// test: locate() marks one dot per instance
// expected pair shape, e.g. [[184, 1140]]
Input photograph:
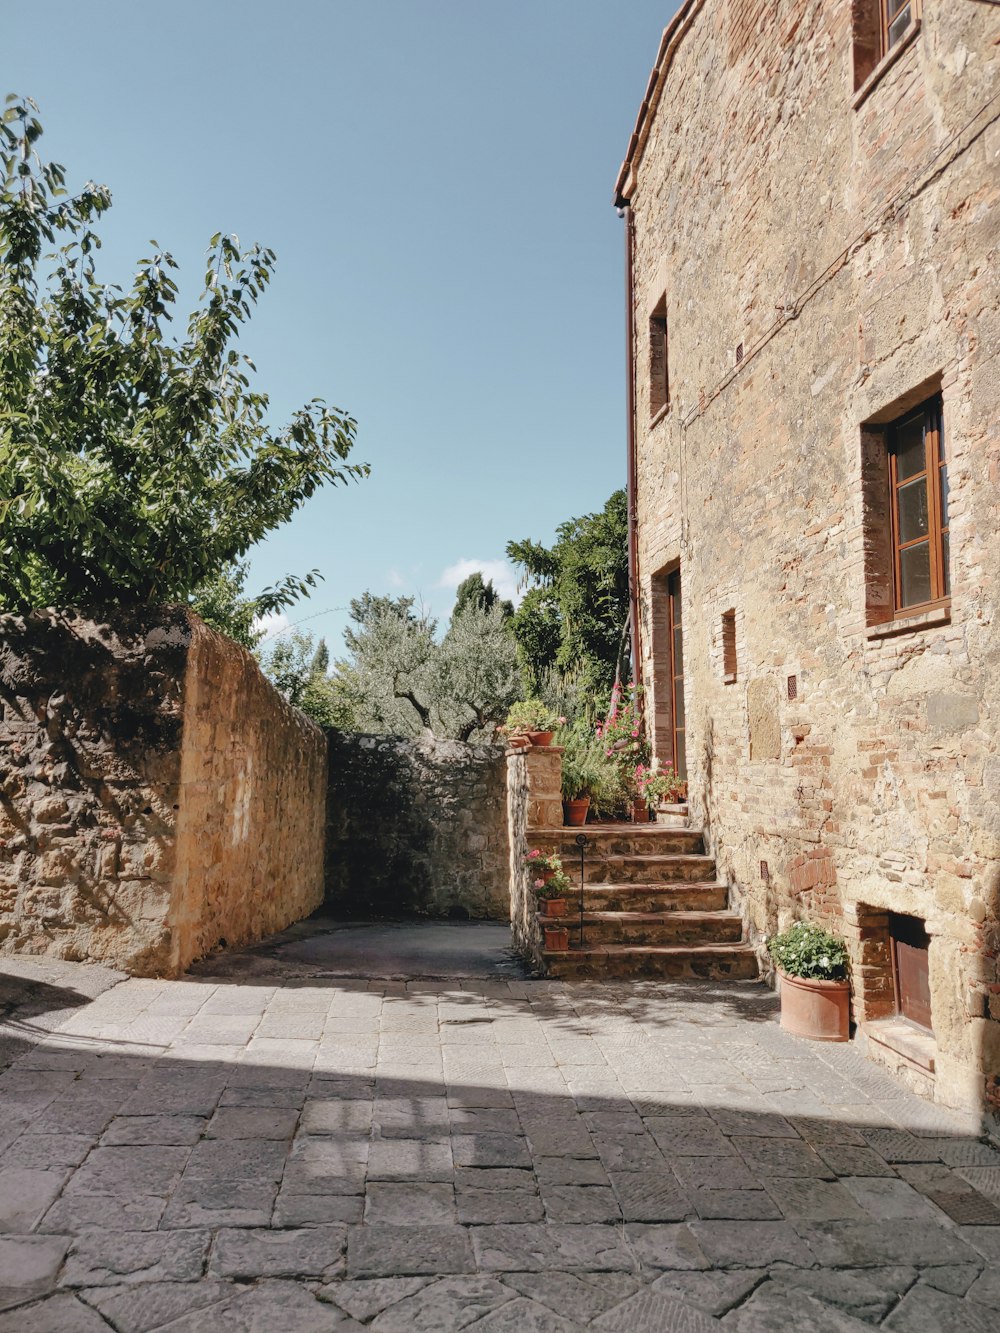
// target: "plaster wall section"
[[416, 827], [825, 260]]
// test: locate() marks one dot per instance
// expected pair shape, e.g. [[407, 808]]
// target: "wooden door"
[[909, 951]]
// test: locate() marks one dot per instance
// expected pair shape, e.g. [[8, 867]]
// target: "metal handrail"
[[581, 841]]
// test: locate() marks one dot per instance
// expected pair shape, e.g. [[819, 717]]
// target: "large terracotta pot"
[[541, 737], [575, 812], [820, 1010], [556, 939], [554, 907], [640, 811]]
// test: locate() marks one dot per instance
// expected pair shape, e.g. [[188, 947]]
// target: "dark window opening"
[[659, 381], [729, 646]]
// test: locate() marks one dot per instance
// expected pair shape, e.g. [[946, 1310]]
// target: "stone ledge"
[[904, 1039]]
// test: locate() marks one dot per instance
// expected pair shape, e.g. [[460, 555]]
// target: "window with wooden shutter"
[[918, 507], [659, 380]]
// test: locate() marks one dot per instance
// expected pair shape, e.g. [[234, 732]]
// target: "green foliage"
[[574, 614], [557, 886], [297, 667], [805, 950], [475, 592], [405, 681], [134, 468], [623, 736], [655, 785], [221, 603], [588, 771], [530, 715]]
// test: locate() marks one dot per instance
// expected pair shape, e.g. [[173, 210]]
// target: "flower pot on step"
[[556, 939], [541, 737], [575, 812], [552, 907], [820, 1010], [640, 812]]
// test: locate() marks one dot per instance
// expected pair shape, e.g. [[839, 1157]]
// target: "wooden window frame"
[[938, 528], [885, 22], [873, 56], [659, 374], [900, 925]]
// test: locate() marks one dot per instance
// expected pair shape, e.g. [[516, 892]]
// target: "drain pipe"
[[633, 531]]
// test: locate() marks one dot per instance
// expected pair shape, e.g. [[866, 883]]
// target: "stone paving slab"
[[500, 1155]]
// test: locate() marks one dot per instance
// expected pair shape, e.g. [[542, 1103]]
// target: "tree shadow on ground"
[[520, 1155]]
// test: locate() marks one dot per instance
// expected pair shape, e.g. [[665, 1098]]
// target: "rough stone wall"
[[138, 761], [852, 251], [250, 830], [416, 827], [533, 800]]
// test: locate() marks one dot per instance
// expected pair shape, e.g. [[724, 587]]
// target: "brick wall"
[[852, 251]]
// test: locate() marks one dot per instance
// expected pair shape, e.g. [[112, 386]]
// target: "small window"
[[877, 29], [918, 507], [911, 975], [659, 383], [729, 646]]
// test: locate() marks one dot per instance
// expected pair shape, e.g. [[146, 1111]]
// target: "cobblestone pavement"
[[293, 1155]]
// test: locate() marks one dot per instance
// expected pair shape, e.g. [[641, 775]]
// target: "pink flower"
[[534, 854], [561, 721], [635, 731]]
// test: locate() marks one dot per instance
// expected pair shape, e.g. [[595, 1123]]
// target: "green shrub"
[[805, 950]]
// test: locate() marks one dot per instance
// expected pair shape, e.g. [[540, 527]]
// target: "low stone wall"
[[416, 827], [157, 796]]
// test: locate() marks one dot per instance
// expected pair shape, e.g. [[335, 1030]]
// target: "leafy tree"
[[574, 614], [134, 468], [477, 592], [297, 667], [405, 681], [221, 603]]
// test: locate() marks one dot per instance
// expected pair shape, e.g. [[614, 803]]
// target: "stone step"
[[656, 868], [681, 927], [678, 962], [616, 840], [691, 895]]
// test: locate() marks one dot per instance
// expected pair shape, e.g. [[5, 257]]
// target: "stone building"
[[812, 207]]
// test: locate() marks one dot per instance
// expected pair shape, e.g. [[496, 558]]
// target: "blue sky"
[[435, 177]]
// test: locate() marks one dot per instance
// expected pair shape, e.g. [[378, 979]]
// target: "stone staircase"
[[652, 906]]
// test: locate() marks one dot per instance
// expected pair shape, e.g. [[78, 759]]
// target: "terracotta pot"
[[541, 737], [518, 742], [555, 907], [575, 812], [820, 1010], [556, 939], [640, 812]]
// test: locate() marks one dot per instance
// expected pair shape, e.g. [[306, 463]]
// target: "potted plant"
[[552, 894], [577, 787], [556, 938], [815, 991], [534, 719]]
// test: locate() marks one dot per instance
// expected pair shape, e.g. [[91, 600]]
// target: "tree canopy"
[[403, 679], [574, 616], [134, 467]]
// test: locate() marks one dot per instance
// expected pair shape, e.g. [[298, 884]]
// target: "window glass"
[[910, 454], [897, 20], [913, 516], [915, 574]]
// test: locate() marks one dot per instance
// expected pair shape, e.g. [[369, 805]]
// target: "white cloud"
[[273, 624], [501, 572]]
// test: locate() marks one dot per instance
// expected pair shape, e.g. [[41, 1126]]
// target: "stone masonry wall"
[[848, 246], [157, 797], [416, 827]]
